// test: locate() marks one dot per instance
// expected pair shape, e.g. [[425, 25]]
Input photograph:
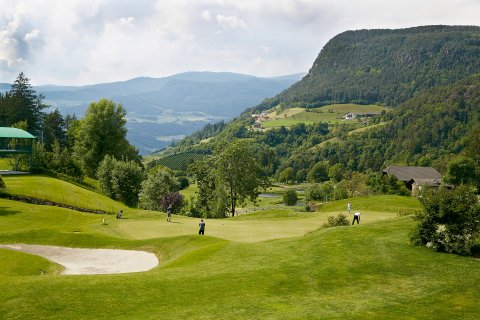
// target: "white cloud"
[[82, 42], [230, 22], [127, 21], [206, 15]]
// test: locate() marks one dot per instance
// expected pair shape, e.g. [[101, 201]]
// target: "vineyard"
[[179, 161]]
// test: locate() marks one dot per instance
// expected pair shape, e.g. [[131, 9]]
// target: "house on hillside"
[[416, 178]]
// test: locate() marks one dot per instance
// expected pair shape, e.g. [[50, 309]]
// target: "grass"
[[5, 164], [368, 271], [330, 114], [56, 190]]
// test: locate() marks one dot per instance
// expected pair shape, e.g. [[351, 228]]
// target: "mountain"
[[162, 110], [385, 66], [431, 122]]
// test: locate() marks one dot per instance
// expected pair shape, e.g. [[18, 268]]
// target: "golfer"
[[349, 207], [201, 225], [169, 213], [356, 217]]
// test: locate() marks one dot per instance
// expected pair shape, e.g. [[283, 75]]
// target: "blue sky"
[[75, 42]]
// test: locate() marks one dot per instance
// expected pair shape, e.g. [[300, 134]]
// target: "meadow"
[[331, 114], [277, 263]]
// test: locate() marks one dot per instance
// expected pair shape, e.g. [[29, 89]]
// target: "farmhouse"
[[415, 178]]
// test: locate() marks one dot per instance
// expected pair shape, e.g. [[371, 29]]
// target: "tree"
[[102, 132], [355, 183], [472, 147], [239, 174], [120, 180], [173, 199], [318, 173], [286, 175], [104, 175], [461, 170], [336, 172], [2, 184], [203, 173], [22, 103], [450, 220], [159, 183], [54, 129], [386, 184], [290, 197], [127, 179]]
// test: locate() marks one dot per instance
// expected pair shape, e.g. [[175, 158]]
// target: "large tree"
[[239, 174], [22, 103], [102, 132], [54, 130], [159, 183]]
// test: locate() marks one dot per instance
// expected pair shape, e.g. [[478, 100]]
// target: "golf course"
[[271, 262]]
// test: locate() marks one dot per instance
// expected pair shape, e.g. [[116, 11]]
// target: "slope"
[[362, 272], [385, 66]]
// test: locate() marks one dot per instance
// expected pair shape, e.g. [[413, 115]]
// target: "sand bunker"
[[91, 261]]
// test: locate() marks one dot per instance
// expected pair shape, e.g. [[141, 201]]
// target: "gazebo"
[[16, 141]]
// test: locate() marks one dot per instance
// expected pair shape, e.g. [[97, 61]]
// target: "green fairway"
[[274, 263]]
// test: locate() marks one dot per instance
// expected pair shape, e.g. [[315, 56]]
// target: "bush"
[[2, 184], [174, 199], [339, 220], [450, 220], [290, 197], [310, 207]]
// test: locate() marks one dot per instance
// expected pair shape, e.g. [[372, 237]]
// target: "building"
[[416, 178], [15, 141]]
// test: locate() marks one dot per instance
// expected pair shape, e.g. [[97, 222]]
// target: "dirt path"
[[91, 261]]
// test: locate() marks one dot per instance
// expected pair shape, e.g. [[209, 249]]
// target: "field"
[[277, 263], [178, 161], [329, 114]]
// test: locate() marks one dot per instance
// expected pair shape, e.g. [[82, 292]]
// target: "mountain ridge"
[[162, 110]]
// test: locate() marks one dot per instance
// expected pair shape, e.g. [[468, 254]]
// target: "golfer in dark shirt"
[[202, 227]]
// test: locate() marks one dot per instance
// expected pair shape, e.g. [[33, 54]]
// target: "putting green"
[[266, 225]]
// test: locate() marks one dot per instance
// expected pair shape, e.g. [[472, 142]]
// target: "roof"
[[416, 173], [8, 132]]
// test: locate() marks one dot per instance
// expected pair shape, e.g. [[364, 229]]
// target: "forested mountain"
[[385, 66], [429, 129], [430, 74]]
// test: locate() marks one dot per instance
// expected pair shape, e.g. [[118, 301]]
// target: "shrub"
[[2, 184], [450, 220], [310, 207], [339, 220], [174, 199], [290, 197]]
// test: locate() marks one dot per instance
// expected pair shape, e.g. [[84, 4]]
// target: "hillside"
[[162, 110], [385, 66]]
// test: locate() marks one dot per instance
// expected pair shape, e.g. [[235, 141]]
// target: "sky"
[[79, 42]]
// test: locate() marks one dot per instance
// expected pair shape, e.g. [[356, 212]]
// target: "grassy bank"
[[256, 266]]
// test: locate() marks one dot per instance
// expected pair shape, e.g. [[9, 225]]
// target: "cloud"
[[206, 15], [230, 22], [83, 42]]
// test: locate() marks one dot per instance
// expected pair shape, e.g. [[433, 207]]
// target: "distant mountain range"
[[162, 110]]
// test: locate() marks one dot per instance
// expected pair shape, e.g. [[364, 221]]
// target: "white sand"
[[91, 261]]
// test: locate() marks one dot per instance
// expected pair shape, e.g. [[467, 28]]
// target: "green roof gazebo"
[[16, 141]]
